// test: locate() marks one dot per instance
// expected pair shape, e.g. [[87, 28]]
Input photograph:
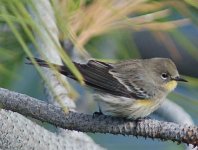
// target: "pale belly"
[[133, 111], [127, 108]]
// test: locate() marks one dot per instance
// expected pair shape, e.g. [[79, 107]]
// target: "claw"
[[142, 119], [96, 114]]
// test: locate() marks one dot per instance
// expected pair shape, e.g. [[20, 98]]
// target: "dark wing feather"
[[111, 78], [120, 79], [96, 74]]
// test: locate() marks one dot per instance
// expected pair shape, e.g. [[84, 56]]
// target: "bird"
[[131, 89]]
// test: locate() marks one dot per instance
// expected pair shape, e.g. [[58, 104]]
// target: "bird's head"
[[164, 73]]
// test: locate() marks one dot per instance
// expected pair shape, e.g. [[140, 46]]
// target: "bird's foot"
[[97, 113], [142, 118]]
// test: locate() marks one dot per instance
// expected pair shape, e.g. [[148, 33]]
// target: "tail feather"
[[60, 68], [44, 63], [39, 61]]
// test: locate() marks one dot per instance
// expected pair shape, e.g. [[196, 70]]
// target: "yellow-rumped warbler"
[[131, 89]]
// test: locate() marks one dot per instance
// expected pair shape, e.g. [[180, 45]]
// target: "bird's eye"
[[164, 76]]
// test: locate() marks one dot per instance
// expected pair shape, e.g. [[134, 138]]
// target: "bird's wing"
[[134, 76], [120, 80], [96, 74]]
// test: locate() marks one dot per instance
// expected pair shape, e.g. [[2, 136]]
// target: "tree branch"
[[42, 111], [18, 132], [172, 112]]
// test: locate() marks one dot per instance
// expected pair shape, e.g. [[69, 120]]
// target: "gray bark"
[[101, 124], [18, 132], [171, 111]]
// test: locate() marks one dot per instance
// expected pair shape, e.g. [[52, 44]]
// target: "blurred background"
[[108, 30]]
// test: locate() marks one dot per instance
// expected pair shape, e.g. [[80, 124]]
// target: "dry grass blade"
[[163, 25], [102, 16]]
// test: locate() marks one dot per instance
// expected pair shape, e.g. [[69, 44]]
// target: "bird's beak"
[[178, 78]]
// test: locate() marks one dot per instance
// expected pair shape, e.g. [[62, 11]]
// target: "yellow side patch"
[[145, 102], [170, 85]]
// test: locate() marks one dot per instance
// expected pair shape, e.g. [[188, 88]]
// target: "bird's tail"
[[60, 68], [39, 61], [44, 63]]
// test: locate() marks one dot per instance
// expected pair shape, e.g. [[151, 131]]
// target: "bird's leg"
[[99, 112]]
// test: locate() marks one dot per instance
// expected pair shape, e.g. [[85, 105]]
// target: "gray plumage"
[[131, 89]]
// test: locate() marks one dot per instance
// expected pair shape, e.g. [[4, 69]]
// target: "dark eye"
[[164, 76]]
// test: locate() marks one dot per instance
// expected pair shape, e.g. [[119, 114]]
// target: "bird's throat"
[[170, 86]]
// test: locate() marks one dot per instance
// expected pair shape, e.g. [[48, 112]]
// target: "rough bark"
[[172, 112], [101, 124]]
